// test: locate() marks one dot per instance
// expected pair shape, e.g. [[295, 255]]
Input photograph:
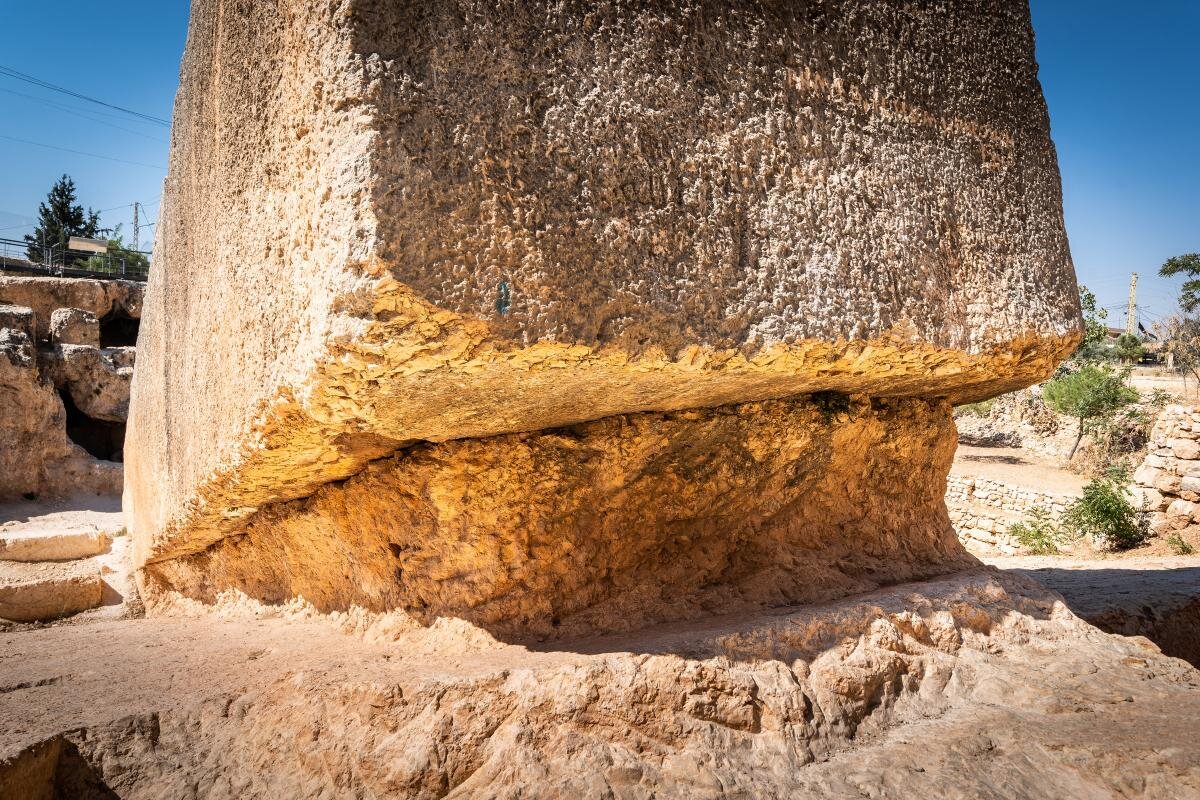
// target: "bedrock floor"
[[980, 684]]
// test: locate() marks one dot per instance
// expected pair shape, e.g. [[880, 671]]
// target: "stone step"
[[39, 592], [27, 545]]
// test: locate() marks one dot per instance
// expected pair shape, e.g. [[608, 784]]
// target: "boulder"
[[97, 379], [422, 233], [74, 326]]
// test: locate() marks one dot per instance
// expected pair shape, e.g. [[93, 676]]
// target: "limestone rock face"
[[97, 379], [97, 297], [74, 326], [400, 229], [38, 316], [981, 686], [36, 457]]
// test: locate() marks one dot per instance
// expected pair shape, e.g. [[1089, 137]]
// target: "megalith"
[[564, 317]]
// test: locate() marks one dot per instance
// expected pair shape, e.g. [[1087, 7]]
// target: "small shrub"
[[1178, 546], [1039, 535], [979, 409], [1105, 514]]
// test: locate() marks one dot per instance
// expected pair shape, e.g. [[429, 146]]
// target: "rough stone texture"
[[612, 524], [1167, 483], [45, 295], [17, 318], [1156, 597], [74, 326], [37, 592], [457, 220], [98, 380], [36, 455], [981, 686]]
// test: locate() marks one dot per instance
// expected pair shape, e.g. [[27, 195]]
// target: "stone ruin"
[[567, 321], [66, 363], [1167, 483]]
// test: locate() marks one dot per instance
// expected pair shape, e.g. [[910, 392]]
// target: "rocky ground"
[[980, 685], [63, 557]]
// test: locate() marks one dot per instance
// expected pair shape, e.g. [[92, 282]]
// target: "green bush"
[[1105, 514], [979, 409], [1178, 546], [1039, 535]]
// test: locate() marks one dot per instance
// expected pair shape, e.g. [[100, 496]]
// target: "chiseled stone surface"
[[613, 524], [391, 224]]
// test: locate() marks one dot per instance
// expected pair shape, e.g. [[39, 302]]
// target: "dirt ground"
[[1017, 466]]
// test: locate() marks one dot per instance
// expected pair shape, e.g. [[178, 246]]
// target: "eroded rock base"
[[613, 524], [979, 685]]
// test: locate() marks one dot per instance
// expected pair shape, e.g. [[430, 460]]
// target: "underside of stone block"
[[416, 239], [615, 523]]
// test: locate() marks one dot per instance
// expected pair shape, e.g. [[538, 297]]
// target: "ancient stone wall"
[[1167, 483], [982, 510], [65, 392], [447, 225]]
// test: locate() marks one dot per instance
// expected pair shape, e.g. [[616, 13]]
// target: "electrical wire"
[[21, 76], [82, 153], [83, 115]]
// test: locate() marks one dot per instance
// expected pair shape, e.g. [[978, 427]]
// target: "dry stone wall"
[[982, 510], [1168, 481], [450, 234]]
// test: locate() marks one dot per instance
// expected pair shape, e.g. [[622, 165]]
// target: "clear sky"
[[1122, 81]]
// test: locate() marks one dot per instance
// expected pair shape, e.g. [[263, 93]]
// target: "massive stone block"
[[391, 228]]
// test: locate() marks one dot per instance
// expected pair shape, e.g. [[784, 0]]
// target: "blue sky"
[[1122, 82]]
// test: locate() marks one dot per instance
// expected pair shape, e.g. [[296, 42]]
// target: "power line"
[[82, 153], [21, 76], [84, 115]]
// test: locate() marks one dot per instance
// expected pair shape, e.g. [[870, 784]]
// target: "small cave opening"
[[118, 329], [103, 439]]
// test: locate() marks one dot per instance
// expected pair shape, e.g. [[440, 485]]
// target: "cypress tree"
[[60, 218]]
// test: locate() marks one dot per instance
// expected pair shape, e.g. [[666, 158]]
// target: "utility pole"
[[137, 244], [1131, 312]]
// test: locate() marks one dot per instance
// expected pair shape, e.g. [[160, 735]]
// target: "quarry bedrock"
[[464, 220]]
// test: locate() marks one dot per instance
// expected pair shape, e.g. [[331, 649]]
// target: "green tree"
[[118, 252], [1095, 328], [1090, 394], [60, 218], [1129, 348], [1187, 264], [1181, 337]]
